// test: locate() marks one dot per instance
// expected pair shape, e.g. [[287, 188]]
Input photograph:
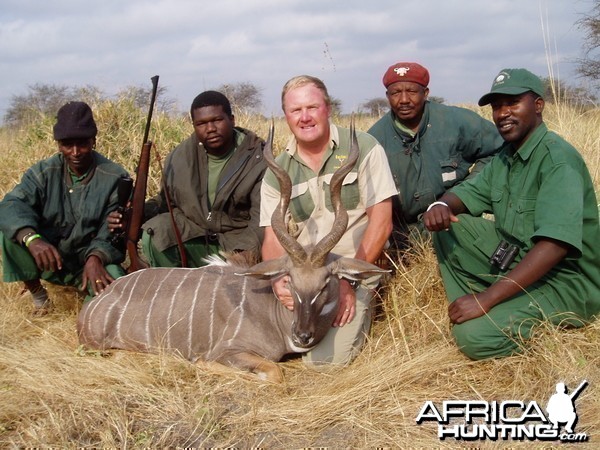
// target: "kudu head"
[[314, 274]]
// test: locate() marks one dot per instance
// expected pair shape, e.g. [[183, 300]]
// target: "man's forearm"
[[377, 233], [271, 248], [454, 203], [538, 261]]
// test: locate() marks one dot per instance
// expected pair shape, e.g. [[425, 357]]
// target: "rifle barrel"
[[154, 80]]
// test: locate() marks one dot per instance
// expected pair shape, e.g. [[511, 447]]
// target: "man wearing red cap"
[[53, 223], [430, 147]]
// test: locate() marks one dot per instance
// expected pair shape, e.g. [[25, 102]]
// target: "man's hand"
[[115, 221], [347, 305], [46, 256], [439, 218], [468, 307], [282, 292], [95, 274]]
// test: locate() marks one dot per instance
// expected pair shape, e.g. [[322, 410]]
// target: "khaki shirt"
[[370, 182]]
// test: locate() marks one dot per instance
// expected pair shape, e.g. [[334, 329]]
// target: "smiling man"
[[539, 259], [316, 149], [213, 179], [430, 147], [53, 223]]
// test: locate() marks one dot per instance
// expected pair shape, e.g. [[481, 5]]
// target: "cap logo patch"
[[502, 76], [401, 71]]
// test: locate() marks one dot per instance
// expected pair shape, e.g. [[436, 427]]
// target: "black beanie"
[[75, 120]]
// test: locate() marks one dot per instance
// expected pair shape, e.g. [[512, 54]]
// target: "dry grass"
[[53, 393]]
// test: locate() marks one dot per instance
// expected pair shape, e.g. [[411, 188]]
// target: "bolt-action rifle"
[[133, 216]]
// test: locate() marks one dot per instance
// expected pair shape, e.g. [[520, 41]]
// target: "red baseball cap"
[[406, 71]]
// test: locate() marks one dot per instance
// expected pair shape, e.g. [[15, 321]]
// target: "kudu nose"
[[305, 338]]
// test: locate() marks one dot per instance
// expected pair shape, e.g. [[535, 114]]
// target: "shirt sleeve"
[[269, 198], [375, 178], [476, 192], [559, 206]]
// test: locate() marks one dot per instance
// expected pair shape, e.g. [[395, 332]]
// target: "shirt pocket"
[[301, 204], [350, 192], [524, 224], [449, 172], [499, 210]]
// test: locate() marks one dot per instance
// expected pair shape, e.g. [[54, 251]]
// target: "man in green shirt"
[[53, 223], [430, 147], [213, 178], [541, 195]]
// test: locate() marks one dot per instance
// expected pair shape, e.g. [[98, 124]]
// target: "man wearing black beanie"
[[53, 223]]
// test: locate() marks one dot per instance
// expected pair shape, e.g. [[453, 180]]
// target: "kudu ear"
[[267, 269], [355, 269]]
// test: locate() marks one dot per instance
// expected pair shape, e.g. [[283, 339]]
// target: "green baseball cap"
[[513, 82]]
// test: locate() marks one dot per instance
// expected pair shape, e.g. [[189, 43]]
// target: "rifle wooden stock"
[[136, 215]]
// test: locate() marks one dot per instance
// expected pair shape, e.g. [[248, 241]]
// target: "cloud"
[[200, 45]]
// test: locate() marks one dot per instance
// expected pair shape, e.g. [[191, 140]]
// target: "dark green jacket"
[[449, 141], [72, 218], [233, 218]]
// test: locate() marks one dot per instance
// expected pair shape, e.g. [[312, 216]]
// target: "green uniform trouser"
[[463, 254], [195, 250], [19, 265]]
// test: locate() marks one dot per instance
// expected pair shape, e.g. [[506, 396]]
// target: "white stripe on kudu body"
[[229, 314]]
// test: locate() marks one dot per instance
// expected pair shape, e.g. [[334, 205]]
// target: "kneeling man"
[[539, 258]]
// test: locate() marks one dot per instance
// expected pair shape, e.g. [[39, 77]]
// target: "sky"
[[195, 45]]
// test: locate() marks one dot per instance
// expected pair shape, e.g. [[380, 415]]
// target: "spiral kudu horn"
[[324, 246], [291, 246]]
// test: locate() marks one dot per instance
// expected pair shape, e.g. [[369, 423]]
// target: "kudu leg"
[[265, 369]]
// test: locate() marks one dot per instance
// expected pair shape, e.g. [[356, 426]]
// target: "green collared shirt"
[[543, 190], [437, 157]]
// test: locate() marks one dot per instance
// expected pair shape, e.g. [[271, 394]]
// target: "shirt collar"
[[532, 142]]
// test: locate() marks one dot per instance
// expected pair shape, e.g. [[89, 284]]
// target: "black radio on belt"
[[504, 254]]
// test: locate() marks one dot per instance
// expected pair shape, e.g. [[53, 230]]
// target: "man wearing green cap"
[[539, 259], [53, 223]]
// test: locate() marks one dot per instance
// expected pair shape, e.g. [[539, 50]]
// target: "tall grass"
[[55, 394]]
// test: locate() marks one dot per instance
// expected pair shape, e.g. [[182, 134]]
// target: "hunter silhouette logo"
[[472, 420], [561, 407]]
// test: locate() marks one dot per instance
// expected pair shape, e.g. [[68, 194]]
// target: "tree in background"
[[244, 97], [376, 107], [336, 107], [589, 65], [140, 95], [41, 99], [46, 99], [436, 99], [558, 91]]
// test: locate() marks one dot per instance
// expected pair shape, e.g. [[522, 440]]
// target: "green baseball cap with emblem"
[[513, 82]]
